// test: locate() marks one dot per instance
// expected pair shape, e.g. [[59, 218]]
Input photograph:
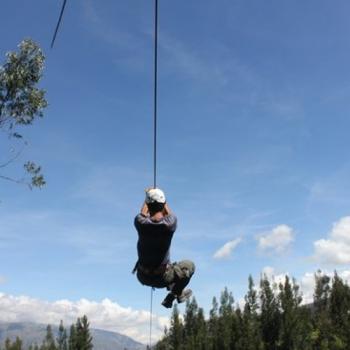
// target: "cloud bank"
[[335, 249], [106, 314]]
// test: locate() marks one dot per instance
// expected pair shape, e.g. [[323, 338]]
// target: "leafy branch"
[[21, 101]]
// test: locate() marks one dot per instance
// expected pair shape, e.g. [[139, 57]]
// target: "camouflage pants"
[[175, 278]]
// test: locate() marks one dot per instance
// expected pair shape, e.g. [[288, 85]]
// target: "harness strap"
[[135, 267], [160, 270]]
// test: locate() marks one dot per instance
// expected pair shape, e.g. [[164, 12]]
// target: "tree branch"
[[12, 159], [21, 182]]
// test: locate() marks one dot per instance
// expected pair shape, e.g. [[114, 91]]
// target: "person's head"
[[155, 200]]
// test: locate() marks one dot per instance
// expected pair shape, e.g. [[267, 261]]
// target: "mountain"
[[31, 333]]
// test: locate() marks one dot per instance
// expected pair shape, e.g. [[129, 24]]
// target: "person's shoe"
[[168, 301], [186, 294]]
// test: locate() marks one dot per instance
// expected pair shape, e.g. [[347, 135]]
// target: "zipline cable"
[[58, 23], [154, 135], [155, 94]]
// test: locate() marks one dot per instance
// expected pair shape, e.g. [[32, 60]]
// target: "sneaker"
[[168, 301], [186, 294]]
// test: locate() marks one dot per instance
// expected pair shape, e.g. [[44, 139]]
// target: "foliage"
[[272, 317], [83, 339], [49, 341], [21, 101], [62, 343], [16, 345]]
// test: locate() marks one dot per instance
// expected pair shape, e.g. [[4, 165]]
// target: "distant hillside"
[[32, 333]]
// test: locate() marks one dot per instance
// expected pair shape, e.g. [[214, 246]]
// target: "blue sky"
[[253, 148]]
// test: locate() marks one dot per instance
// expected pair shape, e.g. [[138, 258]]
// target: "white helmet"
[[155, 195]]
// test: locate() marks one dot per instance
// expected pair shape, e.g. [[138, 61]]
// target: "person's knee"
[[189, 266]]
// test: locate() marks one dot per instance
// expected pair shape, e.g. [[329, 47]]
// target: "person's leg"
[[183, 271], [178, 275]]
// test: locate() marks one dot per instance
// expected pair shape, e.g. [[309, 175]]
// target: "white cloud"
[[226, 250], [2, 279], [106, 314], [307, 286], [335, 249], [278, 239]]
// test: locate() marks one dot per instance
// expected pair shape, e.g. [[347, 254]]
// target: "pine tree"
[[339, 309], [270, 316], [292, 335], [194, 333], [84, 338], [240, 338], [250, 330], [164, 343], [321, 334], [34, 347], [189, 330], [49, 341], [201, 335], [213, 326], [16, 345], [62, 338], [225, 320], [176, 330], [72, 340]]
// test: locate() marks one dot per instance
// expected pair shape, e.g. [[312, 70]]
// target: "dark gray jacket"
[[154, 241]]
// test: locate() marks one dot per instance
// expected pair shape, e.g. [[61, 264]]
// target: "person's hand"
[[144, 209], [166, 210]]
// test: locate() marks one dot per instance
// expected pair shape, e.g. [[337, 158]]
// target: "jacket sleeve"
[[171, 222], [139, 220]]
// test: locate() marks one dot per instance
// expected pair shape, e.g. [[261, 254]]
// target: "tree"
[[83, 336], [72, 341], [16, 345], [270, 316], [34, 347], [164, 343], [194, 331], [190, 325], [49, 341], [251, 335], [292, 333], [176, 330], [213, 326], [322, 325], [62, 337], [225, 319], [339, 309], [22, 102]]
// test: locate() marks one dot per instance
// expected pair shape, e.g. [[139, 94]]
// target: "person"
[[156, 225]]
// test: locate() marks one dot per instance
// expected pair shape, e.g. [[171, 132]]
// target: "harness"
[[160, 270]]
